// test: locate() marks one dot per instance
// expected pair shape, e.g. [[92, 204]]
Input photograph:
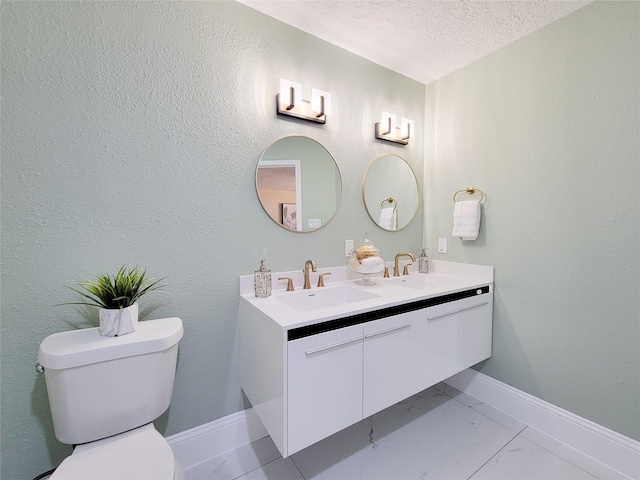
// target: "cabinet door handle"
[[442, 315], [392, 329], [333, 345], [474, 306]]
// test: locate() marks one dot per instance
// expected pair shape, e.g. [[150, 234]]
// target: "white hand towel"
[[372, 265], [388, 218], [354, 264], [466, 220]]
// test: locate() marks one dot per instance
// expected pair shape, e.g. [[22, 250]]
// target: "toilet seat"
[[140, 454]]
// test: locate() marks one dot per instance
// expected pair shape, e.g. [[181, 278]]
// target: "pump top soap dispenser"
[[262, 281], [423, 262]]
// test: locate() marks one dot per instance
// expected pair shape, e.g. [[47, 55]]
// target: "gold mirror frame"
[[304, 180], [386, 184]]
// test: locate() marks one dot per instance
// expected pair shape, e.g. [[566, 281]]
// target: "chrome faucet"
[[307, 264], [396, 271]]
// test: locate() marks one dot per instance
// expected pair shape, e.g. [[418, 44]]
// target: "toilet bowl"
[[140, 454], [104, 394]]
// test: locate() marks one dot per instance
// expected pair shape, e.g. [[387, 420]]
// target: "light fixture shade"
[[316, 105], [406, 128], [290, 102], [385, 125], [285, 92], [387, 129]]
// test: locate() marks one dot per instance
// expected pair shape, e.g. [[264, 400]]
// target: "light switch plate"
[[442, 245], [348, 248], [314, 223]]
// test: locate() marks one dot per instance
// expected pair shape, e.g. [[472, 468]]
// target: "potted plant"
[[117, 297]]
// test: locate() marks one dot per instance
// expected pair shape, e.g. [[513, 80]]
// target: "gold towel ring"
[[389, 200], [468, 191]]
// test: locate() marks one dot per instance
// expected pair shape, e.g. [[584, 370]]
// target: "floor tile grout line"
[[486, 416], [558, 456], [494, 455], [454, 390], [257, 468], [495, 421], [515, 433], [297, 468]]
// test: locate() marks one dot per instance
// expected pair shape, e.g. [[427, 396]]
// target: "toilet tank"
[[101, 386]]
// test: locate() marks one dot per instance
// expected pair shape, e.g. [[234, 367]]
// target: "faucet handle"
[[289, 283], [321, 280], [405, 270]]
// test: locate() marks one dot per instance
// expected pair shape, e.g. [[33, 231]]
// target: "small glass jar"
[[367, 261], [423, 262], [262, 281]]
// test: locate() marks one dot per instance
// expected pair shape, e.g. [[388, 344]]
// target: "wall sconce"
[[388, 130], [289, 102]]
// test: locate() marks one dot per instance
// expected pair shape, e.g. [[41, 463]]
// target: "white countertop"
[[444, 278]]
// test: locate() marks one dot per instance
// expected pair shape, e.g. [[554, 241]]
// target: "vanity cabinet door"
[[476, 320], [437, 343], [390, 362], [324, 385]]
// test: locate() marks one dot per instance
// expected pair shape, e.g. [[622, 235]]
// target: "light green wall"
[[548, 128], [172, 104], [131, 133]]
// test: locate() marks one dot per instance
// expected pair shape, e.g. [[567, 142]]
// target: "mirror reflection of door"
[[317, 184], [278, 182]]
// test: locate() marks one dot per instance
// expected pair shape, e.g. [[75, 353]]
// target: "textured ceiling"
[[423, 40]]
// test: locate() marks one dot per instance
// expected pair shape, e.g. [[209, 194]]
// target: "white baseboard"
[[606, 446], [621, 453], [212, 439]]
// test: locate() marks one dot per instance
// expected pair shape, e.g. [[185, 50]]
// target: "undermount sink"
[[323, 298], [423, 281]]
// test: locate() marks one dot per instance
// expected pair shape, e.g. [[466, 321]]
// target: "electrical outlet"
[[442, 245], [348, 248]]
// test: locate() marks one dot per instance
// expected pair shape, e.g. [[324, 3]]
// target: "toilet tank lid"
[[75, 348]]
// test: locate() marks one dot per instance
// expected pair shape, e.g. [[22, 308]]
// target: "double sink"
[[319, 298]]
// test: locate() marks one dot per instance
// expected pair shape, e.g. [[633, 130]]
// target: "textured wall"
[[548, 128], [131, 133]]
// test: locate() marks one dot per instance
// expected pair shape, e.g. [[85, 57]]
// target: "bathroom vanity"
[[317, 361]]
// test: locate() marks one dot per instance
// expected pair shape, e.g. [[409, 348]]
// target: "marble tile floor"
[[440, 433]]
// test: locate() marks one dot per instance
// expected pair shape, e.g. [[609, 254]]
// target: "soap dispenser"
[[262, 281], [423, 262]]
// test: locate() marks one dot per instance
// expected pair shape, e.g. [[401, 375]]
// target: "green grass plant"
[[118, 291]]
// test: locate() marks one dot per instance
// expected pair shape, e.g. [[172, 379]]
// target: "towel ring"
[[390, 201], [468, 191]]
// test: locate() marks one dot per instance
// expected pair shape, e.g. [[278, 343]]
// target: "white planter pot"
[[115, 322]]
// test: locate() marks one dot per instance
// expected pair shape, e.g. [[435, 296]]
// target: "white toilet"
[[105, 392]]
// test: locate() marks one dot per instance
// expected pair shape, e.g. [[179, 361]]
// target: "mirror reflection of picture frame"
[[297, 169], [288, 217]]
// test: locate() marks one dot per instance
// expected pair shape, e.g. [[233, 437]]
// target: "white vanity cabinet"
[[437, 343], [390, 362], [307, 381], [324, 385], [339, 377], [475, 330], [453, 336]]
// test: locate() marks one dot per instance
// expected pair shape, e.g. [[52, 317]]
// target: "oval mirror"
[[299, 183], [390, 192]]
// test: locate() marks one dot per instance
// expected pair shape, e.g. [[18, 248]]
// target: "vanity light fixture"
[[388, 130], [289, 102]]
